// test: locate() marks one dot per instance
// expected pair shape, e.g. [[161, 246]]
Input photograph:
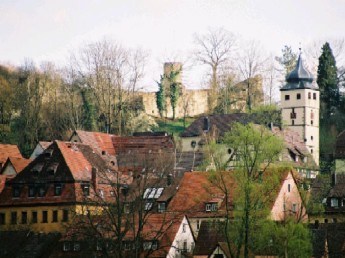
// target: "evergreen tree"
[[160, 97], [327, 82], [175, 90]]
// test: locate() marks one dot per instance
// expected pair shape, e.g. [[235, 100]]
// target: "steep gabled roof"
[[18, 163], [97, 140], [222, 122], [9, 150]]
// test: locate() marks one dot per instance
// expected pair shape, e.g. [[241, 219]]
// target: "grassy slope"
[[173, 127]]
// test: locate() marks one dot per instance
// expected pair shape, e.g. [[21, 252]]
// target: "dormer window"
[[31, 191], [16, 191], [211, 207], [37, 168], [161, 207], [51, 170], [66, 246], [148, 206], [57, 189], [42, 190], [86, 189], [334, 202]]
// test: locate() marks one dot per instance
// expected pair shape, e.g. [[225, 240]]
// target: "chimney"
[[169, 179], [94, 178]]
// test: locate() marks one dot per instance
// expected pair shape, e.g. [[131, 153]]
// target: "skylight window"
[[153, 193]]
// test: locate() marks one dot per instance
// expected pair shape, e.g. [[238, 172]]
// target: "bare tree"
[[215, 50], [112, 73], [250, 64]]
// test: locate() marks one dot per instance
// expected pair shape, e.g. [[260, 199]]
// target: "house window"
[[197, 225], [34, 217], [112, 193], [289, 188], [147, 245], [13, 217], [65, 215], [309, 95], [24, 217], [76, 246], [161, 207], [44, 216], [294, 207], [211, 207], [55, 216], [16, 191], [127, 208], [292, 122], [154, 245], [183, 228], [101, 193], [42, 191], [184, 249], [32, 191], [334, 202], [287, 97], [218, 256], [86, 190], [2, 218], [298, 95], [311, 122], [293, 115], [66, 246], [57, 189], [311, 137], [311, 151], [314, 95]]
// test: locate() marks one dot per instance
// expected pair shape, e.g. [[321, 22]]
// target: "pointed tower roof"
[[299, 78]]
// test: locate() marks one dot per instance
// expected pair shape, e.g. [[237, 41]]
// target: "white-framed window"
[[211, 207], [161, 207], [294, 207], [66, 246], [334, 202], [76, 246]]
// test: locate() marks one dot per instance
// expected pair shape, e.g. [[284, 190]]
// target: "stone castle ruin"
[[194, 102]]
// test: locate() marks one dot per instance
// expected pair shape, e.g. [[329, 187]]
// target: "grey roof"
[[299, 78]]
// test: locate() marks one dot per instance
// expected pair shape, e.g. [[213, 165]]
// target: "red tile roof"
[[9, 150], [19, 163], [98, 141]]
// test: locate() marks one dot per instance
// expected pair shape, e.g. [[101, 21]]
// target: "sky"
[[48, 30]]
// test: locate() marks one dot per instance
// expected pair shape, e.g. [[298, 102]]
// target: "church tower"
[[300, 104]]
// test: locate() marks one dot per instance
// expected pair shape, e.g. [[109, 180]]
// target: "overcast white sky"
[[45, 30]]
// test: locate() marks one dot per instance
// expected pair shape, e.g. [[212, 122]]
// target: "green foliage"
[[161, 98], [288, 59], [267, 114], [286, 239], [254, 146], [175, 90], [89, 120], [327, 82], [173, 127]]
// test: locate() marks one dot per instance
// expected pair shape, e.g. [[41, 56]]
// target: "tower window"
[[298, 95], [311, 137], [309, 95], [293, 115], [311, 122], [287, 97], [311, 151], [292, 122], [314, 95]]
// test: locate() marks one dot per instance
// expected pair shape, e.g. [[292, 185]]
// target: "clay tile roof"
[[9, 150], [143, 144], [221, 121], [98, 141], [79, 166], [194, 191], [210, 234], [19, 163]]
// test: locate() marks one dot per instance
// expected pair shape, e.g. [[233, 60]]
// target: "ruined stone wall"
[[191, 103]]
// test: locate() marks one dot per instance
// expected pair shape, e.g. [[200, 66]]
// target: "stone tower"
[[300, 103]]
